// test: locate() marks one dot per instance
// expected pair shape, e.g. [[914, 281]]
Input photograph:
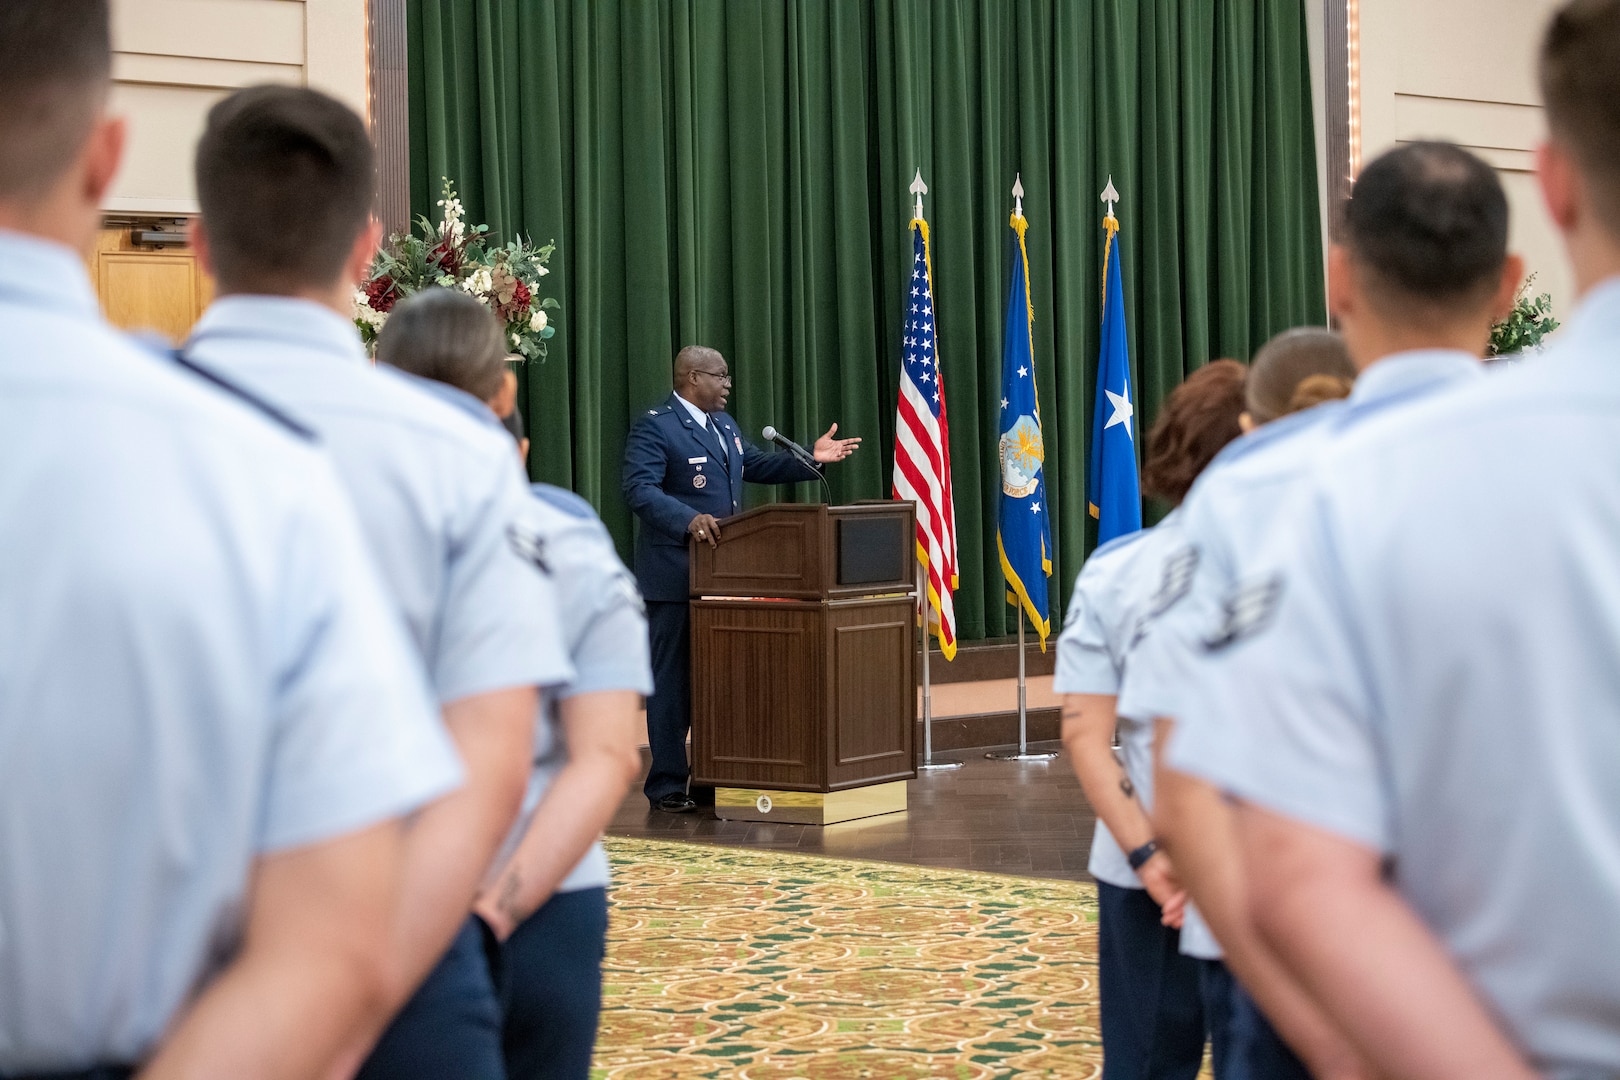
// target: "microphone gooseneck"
[[770, 434]]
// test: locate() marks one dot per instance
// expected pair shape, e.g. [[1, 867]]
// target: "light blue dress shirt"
[[198, 666], [440, 496], [1231, 509], [1114, 599], [1437, 677], [604, 625]]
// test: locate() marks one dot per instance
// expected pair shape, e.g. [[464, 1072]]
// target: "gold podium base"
[[810, 807]]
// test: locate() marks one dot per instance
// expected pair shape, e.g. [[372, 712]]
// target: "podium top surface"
[[805, 551]]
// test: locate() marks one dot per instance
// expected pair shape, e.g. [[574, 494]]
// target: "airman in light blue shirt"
[[198, 670], [441, 499], [1112, 607], [1431, 676]]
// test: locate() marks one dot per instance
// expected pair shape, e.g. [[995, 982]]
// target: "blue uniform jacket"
[[673, 471]]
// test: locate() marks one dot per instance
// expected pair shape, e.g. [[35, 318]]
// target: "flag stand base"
[[1023, 753], [937, 766]]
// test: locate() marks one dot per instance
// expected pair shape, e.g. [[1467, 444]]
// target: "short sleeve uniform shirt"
[[604, 627], [1114, 599]]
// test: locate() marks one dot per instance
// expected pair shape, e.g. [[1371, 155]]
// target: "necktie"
[[714, 430]]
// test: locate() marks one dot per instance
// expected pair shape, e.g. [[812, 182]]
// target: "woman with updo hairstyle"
[[1153, 1019]]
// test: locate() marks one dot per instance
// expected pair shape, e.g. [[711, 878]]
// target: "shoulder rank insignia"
[[1247, 610], [529, 545], [1176, 582]]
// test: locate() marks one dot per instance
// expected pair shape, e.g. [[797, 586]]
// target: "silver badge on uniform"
[[1247, 610], [529, 545], [700, 481]]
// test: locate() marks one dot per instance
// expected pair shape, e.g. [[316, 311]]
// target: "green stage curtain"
[[734, 173]]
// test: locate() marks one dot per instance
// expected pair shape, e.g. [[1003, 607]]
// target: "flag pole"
[[1023, 753], [928, 761]]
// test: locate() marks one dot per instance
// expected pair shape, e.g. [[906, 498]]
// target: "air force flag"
[[1022, 534], [1112, 490]]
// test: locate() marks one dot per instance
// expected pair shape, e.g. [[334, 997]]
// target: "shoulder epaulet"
[[274, 413], [1277, 430], [564, 500]]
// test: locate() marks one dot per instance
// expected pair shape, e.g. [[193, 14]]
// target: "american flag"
[[922, 452]]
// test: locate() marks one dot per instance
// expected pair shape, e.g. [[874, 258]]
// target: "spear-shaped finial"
[[919, 189], [1110, 196], [1018, 195]]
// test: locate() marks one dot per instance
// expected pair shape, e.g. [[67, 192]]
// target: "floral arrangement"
[[452, 254], [1530, 320]]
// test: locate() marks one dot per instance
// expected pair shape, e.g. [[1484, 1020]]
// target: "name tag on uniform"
[[696, 460]]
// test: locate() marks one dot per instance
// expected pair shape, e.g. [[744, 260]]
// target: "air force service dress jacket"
[[674, 470]]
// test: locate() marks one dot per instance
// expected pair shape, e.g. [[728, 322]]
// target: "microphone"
[[770, 434]]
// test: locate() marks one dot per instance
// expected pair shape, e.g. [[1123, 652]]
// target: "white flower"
[[514, 341], [537, 321], [541, 271], [479, 283]]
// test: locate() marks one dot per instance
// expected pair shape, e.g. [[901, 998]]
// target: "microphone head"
[[769, 433]]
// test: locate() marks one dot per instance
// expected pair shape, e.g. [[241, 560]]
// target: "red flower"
[[381, 293], [447, 257], [519, 306]]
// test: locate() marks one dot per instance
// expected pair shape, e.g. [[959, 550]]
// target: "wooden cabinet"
[[148, 287]]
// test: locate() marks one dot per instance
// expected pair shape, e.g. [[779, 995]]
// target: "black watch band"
[[1141, 855]]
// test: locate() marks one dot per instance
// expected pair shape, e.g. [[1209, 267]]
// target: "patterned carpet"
[[728, 962]]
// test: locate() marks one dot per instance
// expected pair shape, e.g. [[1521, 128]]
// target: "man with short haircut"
[[1422, 676], [210, 718], [1422, 273], [684, 467], [285, 180]]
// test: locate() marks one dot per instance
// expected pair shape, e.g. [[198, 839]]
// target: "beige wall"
[[1464, 70], [172, 59]]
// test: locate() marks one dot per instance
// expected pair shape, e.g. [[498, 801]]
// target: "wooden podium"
[[803, 645]]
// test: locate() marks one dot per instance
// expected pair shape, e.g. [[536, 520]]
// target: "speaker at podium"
[[804, 697]]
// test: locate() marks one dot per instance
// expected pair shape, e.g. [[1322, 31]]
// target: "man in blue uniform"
[[210, 717], [285, 180], [684, 467]]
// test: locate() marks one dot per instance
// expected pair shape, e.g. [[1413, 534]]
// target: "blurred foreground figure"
[[285, 178], [1419, 688], [1158, 1006], [1422, 273], [210, 717], [547, 900]]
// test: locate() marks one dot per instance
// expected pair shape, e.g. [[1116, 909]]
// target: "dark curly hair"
[[1198, 418]]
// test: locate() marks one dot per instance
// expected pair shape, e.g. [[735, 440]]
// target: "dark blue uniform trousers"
[[669, 710], [1153, 1024], [552, 970], [451, 1027], [1257, 1050]]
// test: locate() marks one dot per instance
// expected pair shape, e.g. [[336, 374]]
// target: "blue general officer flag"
[[1113, 492], [1022, 534]]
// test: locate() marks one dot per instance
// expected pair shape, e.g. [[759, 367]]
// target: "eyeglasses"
[[724, 378]]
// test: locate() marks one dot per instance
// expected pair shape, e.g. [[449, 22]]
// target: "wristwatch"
[[1141, 855]]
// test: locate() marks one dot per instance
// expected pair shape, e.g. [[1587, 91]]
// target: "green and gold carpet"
[[726, 962]]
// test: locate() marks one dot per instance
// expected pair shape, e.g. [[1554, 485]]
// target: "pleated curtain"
[[734, 173]]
